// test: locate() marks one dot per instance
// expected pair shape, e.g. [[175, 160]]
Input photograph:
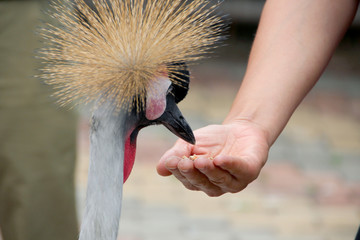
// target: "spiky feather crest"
[[115, 48]]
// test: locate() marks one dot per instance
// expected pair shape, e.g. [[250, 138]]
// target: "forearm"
[[293, 45]]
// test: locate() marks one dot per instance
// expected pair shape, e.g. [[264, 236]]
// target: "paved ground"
[[309, 189]]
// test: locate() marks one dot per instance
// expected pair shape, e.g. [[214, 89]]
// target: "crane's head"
[[120, 51], [160, 108]]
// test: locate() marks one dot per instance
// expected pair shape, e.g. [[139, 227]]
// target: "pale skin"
[[293, 45]]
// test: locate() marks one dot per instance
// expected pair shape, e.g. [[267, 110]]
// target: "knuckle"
[[214, 193], [219, 180], [200, 184], [179, 177], [237, 188], [199, 181], [187, 184], [191, 187]]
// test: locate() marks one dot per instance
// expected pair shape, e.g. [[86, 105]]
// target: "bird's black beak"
[[173, 120]]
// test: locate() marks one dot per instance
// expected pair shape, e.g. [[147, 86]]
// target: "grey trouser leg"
[[37, 138]]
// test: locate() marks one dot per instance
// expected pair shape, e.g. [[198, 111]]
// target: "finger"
[[241, 169], [217, 176], [162, 169], [180, 149], [198, 179], [171, 165]]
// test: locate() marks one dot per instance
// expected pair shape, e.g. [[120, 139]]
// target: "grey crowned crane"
[[127, 57], [112, 154]]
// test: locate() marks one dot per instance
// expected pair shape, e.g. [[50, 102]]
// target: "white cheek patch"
[[156, 97]]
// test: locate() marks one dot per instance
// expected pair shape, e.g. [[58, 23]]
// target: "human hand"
[[226, 158]]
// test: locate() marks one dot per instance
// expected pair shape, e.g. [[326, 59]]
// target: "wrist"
[[248, 121], [268, 108]]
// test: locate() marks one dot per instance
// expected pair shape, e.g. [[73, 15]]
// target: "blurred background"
[[308, 190]]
